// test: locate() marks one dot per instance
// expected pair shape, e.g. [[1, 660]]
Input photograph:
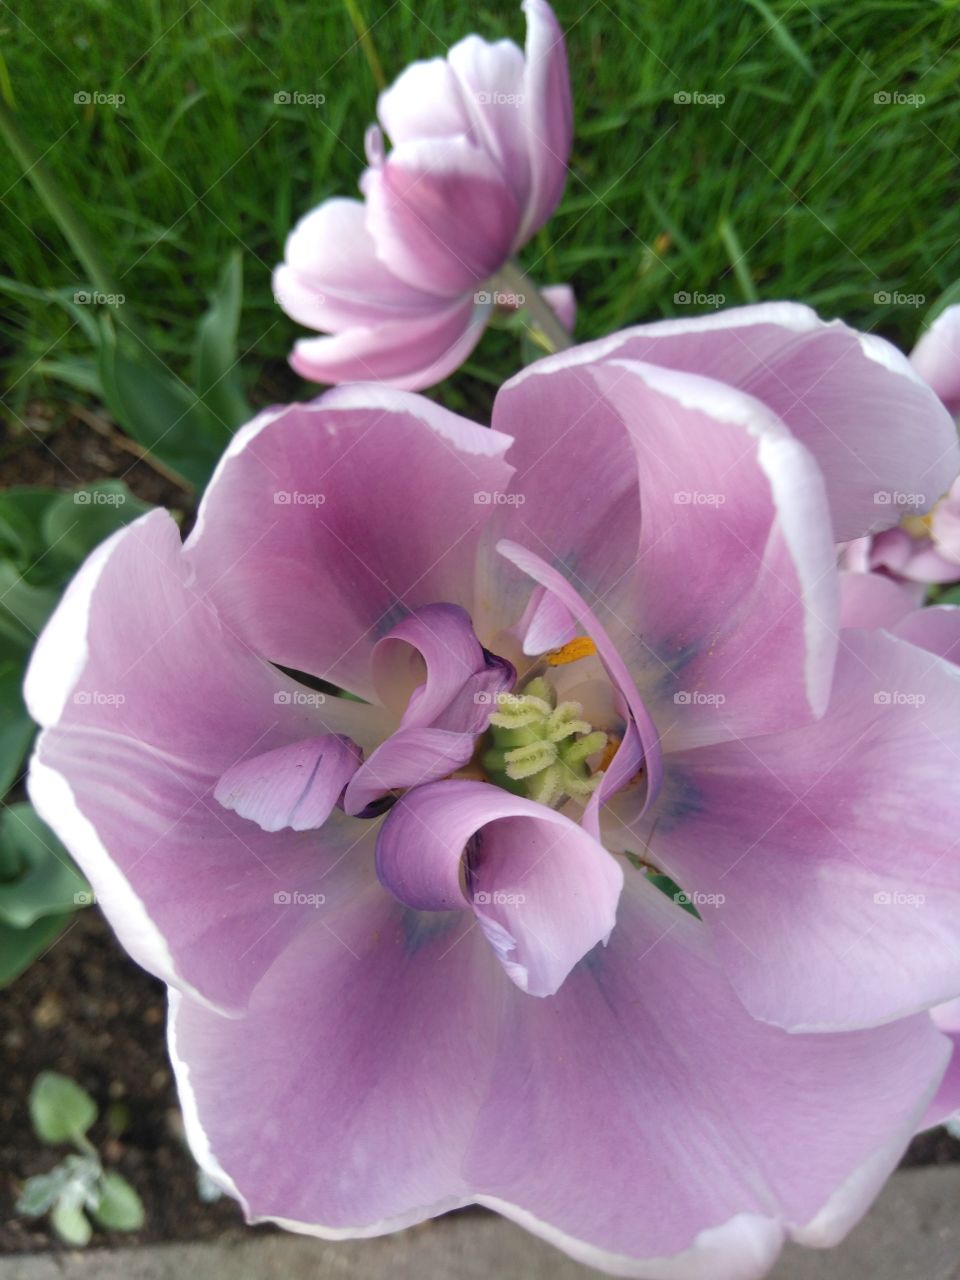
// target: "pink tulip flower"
[[417, 954], [406, 280]]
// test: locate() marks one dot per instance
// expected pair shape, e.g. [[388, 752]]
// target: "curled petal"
[[543, 890], [429, 661]]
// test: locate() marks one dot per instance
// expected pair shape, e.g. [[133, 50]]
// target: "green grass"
[[799, 185]]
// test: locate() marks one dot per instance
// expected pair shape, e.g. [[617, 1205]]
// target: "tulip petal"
[[408, 758], [936, 358], [432, 667], [312, 580], [146, 701], [493, 92], [831, 851], [296, 786], [544, 891], [425, 101], [885, 444], [470, 1091], [936, 629], [441, 214], [332, 279], [408, 354], [547, 115], [871, 600]]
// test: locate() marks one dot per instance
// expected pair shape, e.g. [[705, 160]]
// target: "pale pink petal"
[[295, 560], [441, 215], [936, 357], [409, 354], [296, 786]]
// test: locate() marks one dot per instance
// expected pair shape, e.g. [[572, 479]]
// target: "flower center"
[[540, 748]]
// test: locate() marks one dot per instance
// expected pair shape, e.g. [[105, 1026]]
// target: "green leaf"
[[16, 728], [20, 947], [23, 608], [47, 883], [217, 371], [21, 511], [673, 890], [74, 523], [71, 1224], [158, 410], [119, 1207], [59, 1108]]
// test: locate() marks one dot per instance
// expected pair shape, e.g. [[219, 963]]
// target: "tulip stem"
[[511, 278]]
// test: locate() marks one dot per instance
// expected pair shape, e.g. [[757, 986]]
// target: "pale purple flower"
[[404, 280], [414, 954], [923, 550]]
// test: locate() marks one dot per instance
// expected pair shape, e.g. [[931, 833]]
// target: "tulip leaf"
[[59, 1108], [118, 1208], [158, 410], [20, 947], [45, 883], [24, 608], [216, 367], [16, 727], [74, 523]]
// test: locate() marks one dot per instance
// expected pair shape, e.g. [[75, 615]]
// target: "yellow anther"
[[917, 526], [579, 647]]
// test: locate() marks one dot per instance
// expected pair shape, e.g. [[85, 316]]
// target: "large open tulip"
[[405, 281], [417, 946]]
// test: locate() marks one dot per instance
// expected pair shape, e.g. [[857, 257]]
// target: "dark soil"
[[86, 1010]]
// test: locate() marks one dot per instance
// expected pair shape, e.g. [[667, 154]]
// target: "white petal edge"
[[54, 801]]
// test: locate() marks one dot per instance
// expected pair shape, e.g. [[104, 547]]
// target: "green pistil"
[[539, 749]]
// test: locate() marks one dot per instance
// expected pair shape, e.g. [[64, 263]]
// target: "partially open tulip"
[[416, 939], [406, 280]]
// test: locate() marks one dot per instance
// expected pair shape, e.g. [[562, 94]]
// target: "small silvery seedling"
[[78, 1188]]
